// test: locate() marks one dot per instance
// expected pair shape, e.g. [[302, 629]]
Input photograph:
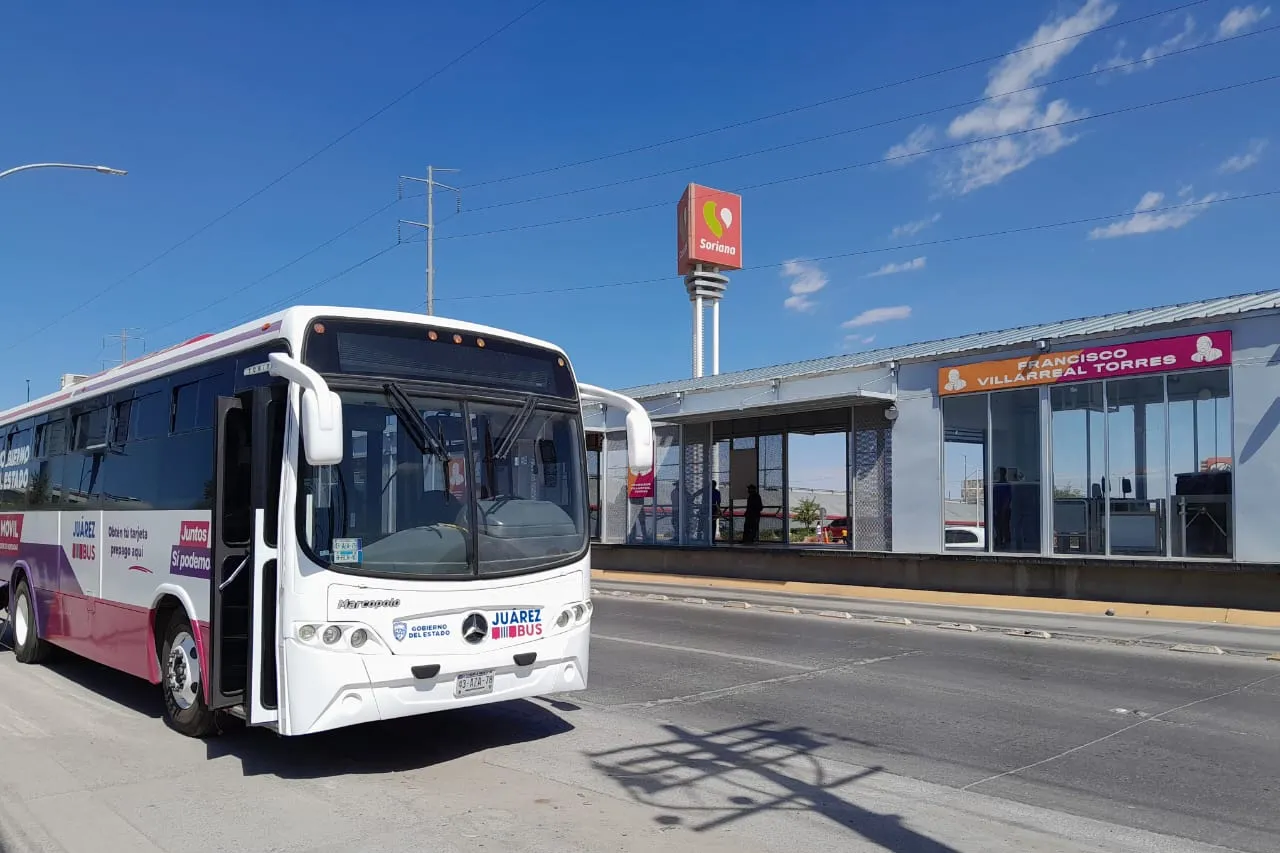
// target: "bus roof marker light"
[[457, 339], [318, 328], [480, 342], [433, 335]]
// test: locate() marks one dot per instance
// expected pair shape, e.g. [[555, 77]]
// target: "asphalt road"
[[707, 729]]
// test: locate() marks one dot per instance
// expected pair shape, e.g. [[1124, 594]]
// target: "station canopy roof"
[[1223, 306]]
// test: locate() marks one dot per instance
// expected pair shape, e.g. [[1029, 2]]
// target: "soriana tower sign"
[[1211, 349], [709, 229]]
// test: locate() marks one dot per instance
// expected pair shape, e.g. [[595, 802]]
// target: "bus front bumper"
[[328, 690]]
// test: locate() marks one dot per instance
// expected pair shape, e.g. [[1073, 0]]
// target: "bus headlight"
[[579, 610], [563, 618], [307, 633], [358, 638], [331, 635]]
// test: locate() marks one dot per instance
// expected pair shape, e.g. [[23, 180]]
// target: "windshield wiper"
[[421, 433], [515, 426]]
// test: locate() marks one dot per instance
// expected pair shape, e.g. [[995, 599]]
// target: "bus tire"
[[27, 645], [185, 709]]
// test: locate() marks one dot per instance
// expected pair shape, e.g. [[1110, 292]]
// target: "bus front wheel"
[[184, 705], [27, 645]]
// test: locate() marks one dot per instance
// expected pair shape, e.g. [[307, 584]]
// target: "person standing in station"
[[751, 521]]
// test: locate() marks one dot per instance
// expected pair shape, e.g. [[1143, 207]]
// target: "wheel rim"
[[183, 670], [21, 625]]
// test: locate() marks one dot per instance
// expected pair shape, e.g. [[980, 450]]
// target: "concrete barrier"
[[1184, 583]]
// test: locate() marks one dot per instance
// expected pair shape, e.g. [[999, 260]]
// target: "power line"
[[827, 136], [285, 300], [882, 160], [231, 294], [826, 102], [294, 295], [784, 180], [886, 122], [941, 241], [344, 135], [772, 149], [775, 182]]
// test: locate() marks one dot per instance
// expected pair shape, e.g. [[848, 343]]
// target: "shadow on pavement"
[[706, 781], [388, 747], [125, 690]]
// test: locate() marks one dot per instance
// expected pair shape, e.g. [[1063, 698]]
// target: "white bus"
[[326, 517]]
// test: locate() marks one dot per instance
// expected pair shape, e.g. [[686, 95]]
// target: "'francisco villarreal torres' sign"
[[1211, 349]]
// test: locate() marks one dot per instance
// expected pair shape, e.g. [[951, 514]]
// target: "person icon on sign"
[[954, 382], [1205, 350]]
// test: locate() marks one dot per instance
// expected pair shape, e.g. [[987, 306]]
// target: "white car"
[[965, 537]]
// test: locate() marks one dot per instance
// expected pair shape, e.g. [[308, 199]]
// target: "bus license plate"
[[473, 683]]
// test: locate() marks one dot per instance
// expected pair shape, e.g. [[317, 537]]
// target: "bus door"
[[244, 581]]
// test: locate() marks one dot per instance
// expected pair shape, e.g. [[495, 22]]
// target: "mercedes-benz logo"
[[475, 628]]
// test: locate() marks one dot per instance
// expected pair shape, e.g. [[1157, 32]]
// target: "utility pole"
[[124, 343], [430, 224]]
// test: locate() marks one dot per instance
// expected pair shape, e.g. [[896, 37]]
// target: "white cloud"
[[1174, 42], [1128, 65], [1240, 19], [806, 280], [918, 141], [851, 341], [1247, 160], [1146, 221], [910, 229], [894, 269], [1010, 110], [878, 315]]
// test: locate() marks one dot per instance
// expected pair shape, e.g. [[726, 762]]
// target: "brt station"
[[1128, 457]]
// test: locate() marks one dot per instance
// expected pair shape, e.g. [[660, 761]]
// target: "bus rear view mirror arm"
[[639, 427], [321, 410]]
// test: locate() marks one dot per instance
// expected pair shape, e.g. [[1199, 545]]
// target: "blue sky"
[[206, 106]]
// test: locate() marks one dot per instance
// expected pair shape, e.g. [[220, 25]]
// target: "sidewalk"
[[1254, 633]]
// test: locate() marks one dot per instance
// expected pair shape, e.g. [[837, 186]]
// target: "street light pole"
[[105, 170]]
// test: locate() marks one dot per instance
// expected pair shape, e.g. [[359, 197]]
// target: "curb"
[[963, 627], [1028, 632], [1128, 610], [1197, 649]]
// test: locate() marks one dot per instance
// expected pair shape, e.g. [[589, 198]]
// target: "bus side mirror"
[[322, 426], [639, 442], [639, 427], [321, 409]]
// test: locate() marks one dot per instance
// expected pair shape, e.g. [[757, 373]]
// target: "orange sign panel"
[[708, 229]]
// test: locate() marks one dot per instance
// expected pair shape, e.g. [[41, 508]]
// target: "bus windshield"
[[438, 487]]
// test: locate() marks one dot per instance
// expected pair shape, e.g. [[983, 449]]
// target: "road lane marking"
[[738, 689], [709, 652], [1153, 718]]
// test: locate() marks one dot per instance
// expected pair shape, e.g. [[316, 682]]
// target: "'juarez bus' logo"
[[517, 624], [713, 214]]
